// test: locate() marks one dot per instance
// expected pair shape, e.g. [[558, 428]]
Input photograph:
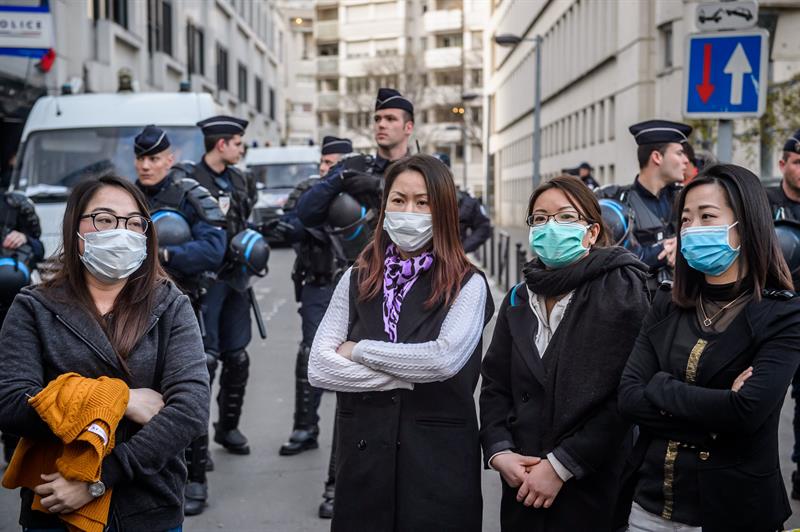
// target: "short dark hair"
[[645, 150], [579, 195], [760, 252], [407, 117], [210, 141], [689, 151], [785, 155]]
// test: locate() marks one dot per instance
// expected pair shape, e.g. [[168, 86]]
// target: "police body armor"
[[17, 213], [618, 218]]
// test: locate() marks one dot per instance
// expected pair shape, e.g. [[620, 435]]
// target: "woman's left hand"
[[346, 350], [62, 496]]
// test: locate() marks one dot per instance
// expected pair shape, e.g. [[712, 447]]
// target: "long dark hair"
[[450, 263], [580, 197], [760, 252], [132, 308]]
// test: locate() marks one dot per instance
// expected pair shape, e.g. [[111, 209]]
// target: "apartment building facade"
[[299, 72], [605, 66], [431, 50]]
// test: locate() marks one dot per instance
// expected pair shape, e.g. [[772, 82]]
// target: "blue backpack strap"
[[513, 300]]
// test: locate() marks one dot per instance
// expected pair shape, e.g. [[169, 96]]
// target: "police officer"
[[361, 177], [313, 275], [474, 225], [662, 162], [784, 199], [192, 246], [226, 304], [21, 251], [585, 174]]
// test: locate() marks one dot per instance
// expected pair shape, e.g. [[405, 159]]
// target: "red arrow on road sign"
[[706, 88]]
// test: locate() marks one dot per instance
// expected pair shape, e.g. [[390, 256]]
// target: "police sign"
[[726, 75]]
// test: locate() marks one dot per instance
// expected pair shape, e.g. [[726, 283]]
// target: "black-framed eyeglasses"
[[105, 221], [563, 217]]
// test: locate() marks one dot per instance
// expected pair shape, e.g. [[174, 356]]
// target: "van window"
[[53, 161], [283, 175]]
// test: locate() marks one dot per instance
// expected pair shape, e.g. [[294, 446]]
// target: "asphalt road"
[[268, 492]]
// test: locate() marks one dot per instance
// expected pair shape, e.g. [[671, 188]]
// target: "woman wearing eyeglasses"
[[109, 311], [549, 420], [709, 372]]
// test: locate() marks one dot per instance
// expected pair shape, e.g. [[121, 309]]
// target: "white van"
[[277, 171], [69, 137]]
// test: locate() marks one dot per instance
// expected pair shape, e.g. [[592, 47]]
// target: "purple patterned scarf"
[[398, 277]]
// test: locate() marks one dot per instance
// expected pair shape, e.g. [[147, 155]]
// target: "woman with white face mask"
[[109, 311], [401, 343], [709, 372], [549, 420]]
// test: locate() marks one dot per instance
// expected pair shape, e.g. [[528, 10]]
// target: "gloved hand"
[[357, 184], [276, 227]]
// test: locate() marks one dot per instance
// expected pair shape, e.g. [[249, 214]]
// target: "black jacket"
[[409, 460], [43, 338], [522, 396], [735, 434]]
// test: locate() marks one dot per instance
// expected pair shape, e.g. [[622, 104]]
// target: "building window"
[[259, 95], [272, 110], [195, 46], [448, 40], [328, 50], [222, 68], [611, 124], [665, 33], [114, 10], [477, 40], [159, 26], [242, 77], [325, 14]]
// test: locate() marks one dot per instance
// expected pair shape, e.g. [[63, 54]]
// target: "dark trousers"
[[314, 300], [226, 315], [796, 420]]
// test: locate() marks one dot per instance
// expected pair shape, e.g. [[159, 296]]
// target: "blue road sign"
[[726, 74]]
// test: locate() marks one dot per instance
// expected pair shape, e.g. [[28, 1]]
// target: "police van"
[[67, 138], [277, 171]]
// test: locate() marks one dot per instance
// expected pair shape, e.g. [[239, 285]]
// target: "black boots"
[[196, 491], [232, 382], [306, 402], [326, 506]]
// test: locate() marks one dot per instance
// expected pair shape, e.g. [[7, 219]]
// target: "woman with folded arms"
[[711, 366], [401, 343]]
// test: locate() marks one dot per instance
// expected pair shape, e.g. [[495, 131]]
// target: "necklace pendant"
[[707, 322]]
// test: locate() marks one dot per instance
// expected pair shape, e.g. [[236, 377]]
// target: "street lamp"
[[508, 39]]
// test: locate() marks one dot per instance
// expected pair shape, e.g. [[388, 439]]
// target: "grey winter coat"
[[45, 336]]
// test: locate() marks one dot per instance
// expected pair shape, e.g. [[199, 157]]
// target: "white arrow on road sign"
[[737, 67]]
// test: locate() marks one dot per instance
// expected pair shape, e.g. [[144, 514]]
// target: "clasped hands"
[[60, 495], [535, 477]]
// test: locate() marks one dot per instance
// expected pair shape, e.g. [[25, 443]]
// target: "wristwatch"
[[97, 489]]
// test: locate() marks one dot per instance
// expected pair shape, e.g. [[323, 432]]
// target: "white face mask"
[[114, 254], [409, 231]]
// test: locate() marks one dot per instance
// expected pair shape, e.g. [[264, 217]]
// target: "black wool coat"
[[409, 460], [521, 393], [734, 433]]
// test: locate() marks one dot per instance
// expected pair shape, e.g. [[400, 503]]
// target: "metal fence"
[[500, 260]]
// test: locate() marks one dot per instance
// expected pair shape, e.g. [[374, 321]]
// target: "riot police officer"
[[226, 304], [21, 251], [474, 225], [585, 175], [784, 199], [313, 276], [362, 178], [662, 162], [192, 245]]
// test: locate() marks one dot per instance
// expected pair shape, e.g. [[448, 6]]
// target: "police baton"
[[262, 329], [201, 322]]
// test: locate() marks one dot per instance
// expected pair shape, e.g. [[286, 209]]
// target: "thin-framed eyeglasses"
[[563, 217], [105, 221]]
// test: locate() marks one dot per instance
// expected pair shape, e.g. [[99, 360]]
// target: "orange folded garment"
[[69, 405]]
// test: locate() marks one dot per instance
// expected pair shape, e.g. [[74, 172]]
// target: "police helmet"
[[171, 227], [445, 158], [250, 251], [788, 233], [349, 220], [618, 219], [14, 272]]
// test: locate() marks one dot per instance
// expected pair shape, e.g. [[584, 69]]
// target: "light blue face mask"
[[558, 245], [707, 249]]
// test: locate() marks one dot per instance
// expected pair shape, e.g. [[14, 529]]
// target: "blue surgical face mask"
[[707, 249], [558, 245]]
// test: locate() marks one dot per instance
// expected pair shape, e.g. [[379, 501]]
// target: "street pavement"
[[268, 492]]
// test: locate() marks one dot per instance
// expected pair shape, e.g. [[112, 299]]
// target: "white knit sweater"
[[379, 366]]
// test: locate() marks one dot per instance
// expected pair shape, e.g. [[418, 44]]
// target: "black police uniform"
[[362, 178], [226, 310], [313, 276], [17, 213], [192, 259], [654, 218], [474, 225]]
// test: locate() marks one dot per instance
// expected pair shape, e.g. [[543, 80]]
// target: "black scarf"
[[585, 358]]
